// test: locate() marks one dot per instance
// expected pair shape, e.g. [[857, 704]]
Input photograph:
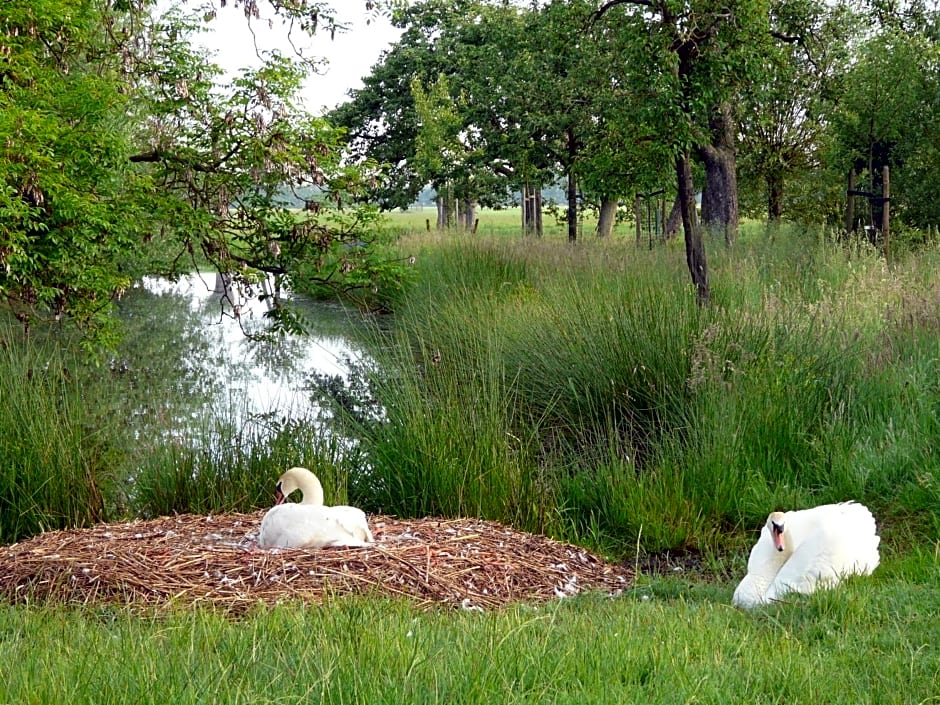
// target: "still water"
[[192, 357]]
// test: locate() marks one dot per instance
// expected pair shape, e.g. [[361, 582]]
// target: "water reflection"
[[189, 335]]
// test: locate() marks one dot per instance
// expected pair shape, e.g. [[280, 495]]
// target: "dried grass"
[[216, 559]]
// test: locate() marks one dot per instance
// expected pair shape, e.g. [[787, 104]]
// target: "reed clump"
[[581, 392]]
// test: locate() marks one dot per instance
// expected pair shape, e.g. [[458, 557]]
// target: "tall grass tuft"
[[56, 457], [221, 465], [584, 382]]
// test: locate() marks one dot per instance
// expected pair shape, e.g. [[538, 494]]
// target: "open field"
[[506, 221]]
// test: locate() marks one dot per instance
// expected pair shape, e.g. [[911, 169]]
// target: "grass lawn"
[[671, 639]]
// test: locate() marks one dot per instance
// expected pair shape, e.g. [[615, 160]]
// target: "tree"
[[118, 145], [437, 147], [71, 204], [696, 53], [888, 116], [785, 117], [469, 44]]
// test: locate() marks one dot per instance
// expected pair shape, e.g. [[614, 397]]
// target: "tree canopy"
[[123, 153]]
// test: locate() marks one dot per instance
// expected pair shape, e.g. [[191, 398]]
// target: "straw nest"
[[216, 559]]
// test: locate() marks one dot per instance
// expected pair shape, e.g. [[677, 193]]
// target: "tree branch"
[[602, 10]]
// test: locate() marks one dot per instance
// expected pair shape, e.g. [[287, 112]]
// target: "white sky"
[[351, 54]]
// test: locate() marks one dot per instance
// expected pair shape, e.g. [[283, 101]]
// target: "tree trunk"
[[774, 196], [468, 213], [531, 210], [441, 212], [694, 245], [720, 195], [638, 219], [572, 189], [674, 221], [606, 217], [446, 206]]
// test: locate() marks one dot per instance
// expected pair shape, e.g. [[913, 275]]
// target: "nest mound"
[[193, 559]]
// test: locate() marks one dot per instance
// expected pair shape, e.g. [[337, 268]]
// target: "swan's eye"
[[777, 528]]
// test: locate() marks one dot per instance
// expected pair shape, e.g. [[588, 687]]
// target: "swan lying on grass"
[[809, 549], [310, 524]]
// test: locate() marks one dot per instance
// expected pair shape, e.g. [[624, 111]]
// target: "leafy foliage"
[[122, 153]]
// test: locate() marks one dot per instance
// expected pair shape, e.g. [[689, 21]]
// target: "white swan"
[[309, 524], [804, 550]]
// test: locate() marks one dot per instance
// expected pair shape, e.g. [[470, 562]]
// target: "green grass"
[[57, 454], [502, 222], [572, 390], [672, 640], [230, 465], [579, 391]]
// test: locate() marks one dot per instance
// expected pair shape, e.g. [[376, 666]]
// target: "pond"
[[190, 359]]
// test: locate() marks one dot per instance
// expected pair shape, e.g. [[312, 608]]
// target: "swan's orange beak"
[[278, 494], [776, 531]]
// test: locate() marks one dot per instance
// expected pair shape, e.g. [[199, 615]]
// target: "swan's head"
[[287, 483], [775, 525], [298, 479]]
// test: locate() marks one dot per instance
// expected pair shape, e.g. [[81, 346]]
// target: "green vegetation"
[[574, 391], [664, 642], [581, 389], [577, 391], [58, 454], [580, 392]]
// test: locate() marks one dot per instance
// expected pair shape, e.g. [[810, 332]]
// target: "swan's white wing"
[[832, 541], [306, 526], [750, 592], [353, 520]]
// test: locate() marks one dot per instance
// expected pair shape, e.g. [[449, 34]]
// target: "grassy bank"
[[579, 391], [571, 390], [576, 391], [665, 642]]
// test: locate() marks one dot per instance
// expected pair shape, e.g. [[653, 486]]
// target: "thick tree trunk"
[[720, 195], [606, 217], [694, 245]]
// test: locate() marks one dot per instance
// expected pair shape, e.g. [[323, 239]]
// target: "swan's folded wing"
[[354, 522], [821, 560], [750, 592], [308, 526]]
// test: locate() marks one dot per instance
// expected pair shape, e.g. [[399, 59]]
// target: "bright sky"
[[351, 54]]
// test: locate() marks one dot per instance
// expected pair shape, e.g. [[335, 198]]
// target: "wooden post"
[[637, 215], [850, 204], [522, 197], [662, 219], [886, 213]]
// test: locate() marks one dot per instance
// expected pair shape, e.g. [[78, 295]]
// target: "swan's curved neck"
[[311, 489]]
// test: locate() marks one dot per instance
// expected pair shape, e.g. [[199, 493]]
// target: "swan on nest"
[[802, 551], [310, 524]]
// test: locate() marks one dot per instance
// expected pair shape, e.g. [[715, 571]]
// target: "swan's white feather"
[[309, 524], [822, 545]]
